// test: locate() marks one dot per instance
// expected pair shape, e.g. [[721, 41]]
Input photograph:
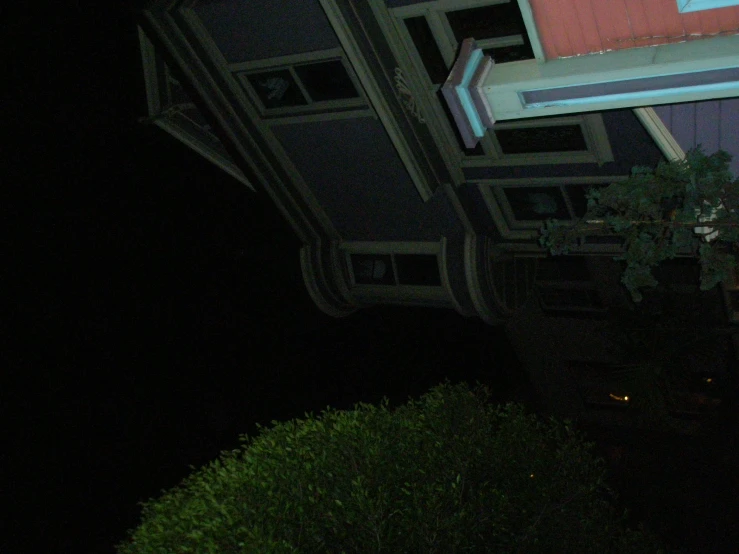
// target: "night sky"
[[153, 308]]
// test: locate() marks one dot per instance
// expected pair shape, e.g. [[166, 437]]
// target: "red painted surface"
[[577, 27]]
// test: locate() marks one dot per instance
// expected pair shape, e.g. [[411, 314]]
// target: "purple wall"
[[713, 123]]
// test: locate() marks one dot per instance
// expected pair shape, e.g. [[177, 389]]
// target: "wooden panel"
[[683, 124], [729, 130], [713, 123], [707, 125], [576, 27]]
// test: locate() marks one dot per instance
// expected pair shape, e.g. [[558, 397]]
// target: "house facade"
[[334, 109]]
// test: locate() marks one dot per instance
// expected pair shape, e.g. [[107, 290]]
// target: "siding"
[[576, 27], [356, 175], [713, 124]]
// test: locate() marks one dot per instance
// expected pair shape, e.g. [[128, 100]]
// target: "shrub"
[[447, 473]]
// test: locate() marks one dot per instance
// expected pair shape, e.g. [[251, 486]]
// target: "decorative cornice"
[[406, 95]]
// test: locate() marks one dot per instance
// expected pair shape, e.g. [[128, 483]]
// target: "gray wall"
[[259, 29], [353, 169]]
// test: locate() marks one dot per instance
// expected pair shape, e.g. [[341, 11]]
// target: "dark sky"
[[153, 308]]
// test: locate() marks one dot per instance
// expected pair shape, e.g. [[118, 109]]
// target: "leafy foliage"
[[447, 473], [688, 206]]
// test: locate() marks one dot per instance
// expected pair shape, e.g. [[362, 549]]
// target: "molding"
[[507, 83], [314, 290], [528, 19], [401, 85], [317, 117], [687, 6], [472, 277], [280, 61], [660, 133], [593, 130], [173, 122], [446, 283], [362, 53], [391, 247]]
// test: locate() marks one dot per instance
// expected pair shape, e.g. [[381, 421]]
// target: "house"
[[334, 109]]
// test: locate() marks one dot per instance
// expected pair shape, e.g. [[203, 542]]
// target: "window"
[[520, 206], [571, 139], [398, 269], [527, 206], [319, 82], [408, 273], [698, 5]]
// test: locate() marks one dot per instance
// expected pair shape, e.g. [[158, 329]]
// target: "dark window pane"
[[427, 48], [326, 81], [277, 89], [505, 54], [536, 203], [534, 140], [563, 268], [498, 20], [372, 269], [418, 269]]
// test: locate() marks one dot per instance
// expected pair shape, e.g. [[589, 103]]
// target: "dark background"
[[153, 308]]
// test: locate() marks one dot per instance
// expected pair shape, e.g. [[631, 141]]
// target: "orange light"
[[619, 398], [709, 380]]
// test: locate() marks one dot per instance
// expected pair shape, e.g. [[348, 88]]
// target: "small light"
[[709, 380], [532, 475], [626, 398], [619, 398]]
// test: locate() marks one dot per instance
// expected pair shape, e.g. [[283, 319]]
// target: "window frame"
[[504, 218], [410, 295], [598, 147], [313, 110]]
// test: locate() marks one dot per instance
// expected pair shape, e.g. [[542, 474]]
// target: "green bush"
[[447, 473]]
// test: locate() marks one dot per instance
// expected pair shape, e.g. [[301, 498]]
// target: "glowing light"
[[709, 380], [532, 475], [619, 398]]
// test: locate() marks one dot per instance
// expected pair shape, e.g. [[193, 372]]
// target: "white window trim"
[[409, 295], [434, 14], [686, 6], [502, 214], [179, 125], [598, 147], [314, 110]]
